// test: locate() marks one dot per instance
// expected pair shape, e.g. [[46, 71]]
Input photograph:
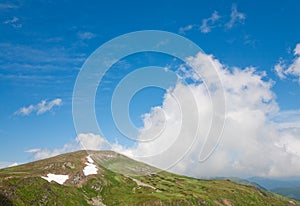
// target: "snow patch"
[[90, 160], [90, 168], [60, 179]]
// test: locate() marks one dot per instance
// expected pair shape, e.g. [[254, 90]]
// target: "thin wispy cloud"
[[208, 24], [39, 108], [236, 17], [7, 6], [14, 22], [216, 20], [42, 153], [86, 35], [184, 29], [205, 27], [22, 53]]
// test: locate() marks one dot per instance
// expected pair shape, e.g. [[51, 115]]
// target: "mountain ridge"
[[119, 181]]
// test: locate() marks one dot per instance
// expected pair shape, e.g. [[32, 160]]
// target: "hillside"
[[108, 178]]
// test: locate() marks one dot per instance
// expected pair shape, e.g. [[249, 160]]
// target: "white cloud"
[[293, 70], [85, 35], [25, 110], [208, 24], [297, 50], [45, 106], [13, 164], [252, 142], [182, 30], [8, 164], [34, 150], [258, 139], [13, 22], [19, 54], [39, 108], [88, 141], [39, 153], [92, 141], [279, 69], [288, 120], [235, 17], [7, 6]]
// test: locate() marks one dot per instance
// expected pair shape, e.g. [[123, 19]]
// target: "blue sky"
[[43, 45]]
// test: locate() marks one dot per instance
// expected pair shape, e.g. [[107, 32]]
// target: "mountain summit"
[[108, 178]]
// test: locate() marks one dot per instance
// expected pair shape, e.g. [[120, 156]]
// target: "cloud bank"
[[253, 143], [258, 138]]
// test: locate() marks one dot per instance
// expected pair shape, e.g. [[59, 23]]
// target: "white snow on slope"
[[90, 160], [60, 179], [90, 168]]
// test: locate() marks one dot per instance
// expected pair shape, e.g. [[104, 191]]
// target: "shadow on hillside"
[[5, 201]]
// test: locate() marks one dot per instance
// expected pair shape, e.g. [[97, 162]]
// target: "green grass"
[[22, 185]]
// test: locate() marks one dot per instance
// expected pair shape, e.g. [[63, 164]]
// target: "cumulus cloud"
[[283, 70], [258, 138], [40, 108], [288, 120], [84, 141], [208, 24], [92, 141], [236, 17], [253, 143]]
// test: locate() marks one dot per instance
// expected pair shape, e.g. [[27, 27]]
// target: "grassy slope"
[[22, 185]]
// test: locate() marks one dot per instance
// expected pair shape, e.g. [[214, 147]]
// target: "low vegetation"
[[120, 181]]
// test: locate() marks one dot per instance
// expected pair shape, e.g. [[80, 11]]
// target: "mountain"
[[291, 192], [108, 178], [272, 183], [289, 187], [240, 181]]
